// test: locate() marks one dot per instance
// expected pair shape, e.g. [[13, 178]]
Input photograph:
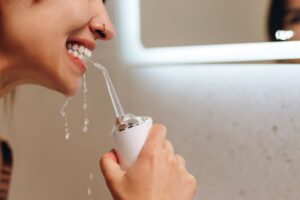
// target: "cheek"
[[37, 39], [296, 29], [292, 3], [38, 48], [75, 15]]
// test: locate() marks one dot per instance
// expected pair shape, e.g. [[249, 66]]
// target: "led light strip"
[[134, 53]]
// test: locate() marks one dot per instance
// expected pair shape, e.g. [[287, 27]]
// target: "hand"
[[158, 174]]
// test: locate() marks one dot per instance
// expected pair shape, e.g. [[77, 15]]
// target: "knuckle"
[[172, 160], [192, 181], [181, 160], [151, 156], [179, 157], [169, 146], [168, 143]]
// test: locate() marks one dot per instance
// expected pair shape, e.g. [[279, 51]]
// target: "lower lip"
[[79, 63]]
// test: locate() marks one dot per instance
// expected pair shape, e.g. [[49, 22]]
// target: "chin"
[[69, 89], [72, 89]]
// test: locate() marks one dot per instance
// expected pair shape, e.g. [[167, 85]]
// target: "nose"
[[101, 26]]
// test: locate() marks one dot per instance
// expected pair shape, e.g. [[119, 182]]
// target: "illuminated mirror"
[[205, 31], [202, 22]]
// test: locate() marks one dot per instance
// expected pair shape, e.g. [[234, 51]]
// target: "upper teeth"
[[79, 50]]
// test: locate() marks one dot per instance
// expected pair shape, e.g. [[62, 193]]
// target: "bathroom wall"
[[235, 124]]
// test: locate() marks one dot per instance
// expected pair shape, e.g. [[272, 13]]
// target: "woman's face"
[[292, 18], [38, 33]]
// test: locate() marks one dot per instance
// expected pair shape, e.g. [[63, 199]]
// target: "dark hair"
[[277, 12]]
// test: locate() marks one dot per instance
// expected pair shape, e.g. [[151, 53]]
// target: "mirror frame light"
[[134, 53]]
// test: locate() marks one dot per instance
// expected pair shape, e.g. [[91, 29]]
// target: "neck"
[[8, 81]]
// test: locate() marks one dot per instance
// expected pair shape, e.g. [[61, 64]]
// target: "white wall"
[[236, 125]]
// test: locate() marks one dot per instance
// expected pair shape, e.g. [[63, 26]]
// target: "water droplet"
[[64, 115], [89, 190], [85, 129], [86, 121], [68, 135], [85, 106]]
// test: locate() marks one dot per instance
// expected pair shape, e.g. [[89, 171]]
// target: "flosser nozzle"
[[112, 92], [130, 131]]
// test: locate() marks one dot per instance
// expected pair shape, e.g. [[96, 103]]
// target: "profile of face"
[[284, 22], [36, 35], [292, 18]]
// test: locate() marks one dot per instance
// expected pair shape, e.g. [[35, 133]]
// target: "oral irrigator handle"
[[129, 143]]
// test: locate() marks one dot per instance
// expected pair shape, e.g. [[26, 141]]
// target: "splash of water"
[[64, 115], [89, 190], [85, 106], [115, 101]]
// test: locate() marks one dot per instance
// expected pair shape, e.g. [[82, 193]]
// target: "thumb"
[[110, 168]]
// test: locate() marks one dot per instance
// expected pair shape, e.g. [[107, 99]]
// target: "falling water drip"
[[115, 101], [64, 115], [89, 190], [85, 105]]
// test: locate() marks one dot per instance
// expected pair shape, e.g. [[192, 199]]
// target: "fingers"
[[180, 160], [157, 141], [112, 155], [169, 147], [156, 138], [110, 168], [177, 158]]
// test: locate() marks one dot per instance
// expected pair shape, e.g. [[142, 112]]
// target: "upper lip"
[[84, 42]]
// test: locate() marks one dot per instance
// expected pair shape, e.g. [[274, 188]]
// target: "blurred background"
[[236, 124]]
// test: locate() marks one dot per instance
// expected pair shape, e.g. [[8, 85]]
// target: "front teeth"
[[79, 51]]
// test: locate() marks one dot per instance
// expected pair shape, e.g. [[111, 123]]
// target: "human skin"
[[158, 174], [292, 21], [33, 41], [292, 18], [34, 34]]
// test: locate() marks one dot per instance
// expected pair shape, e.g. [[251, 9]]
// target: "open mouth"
[[78, 50]]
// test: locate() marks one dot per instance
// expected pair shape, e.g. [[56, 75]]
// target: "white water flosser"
[[130, 131]]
